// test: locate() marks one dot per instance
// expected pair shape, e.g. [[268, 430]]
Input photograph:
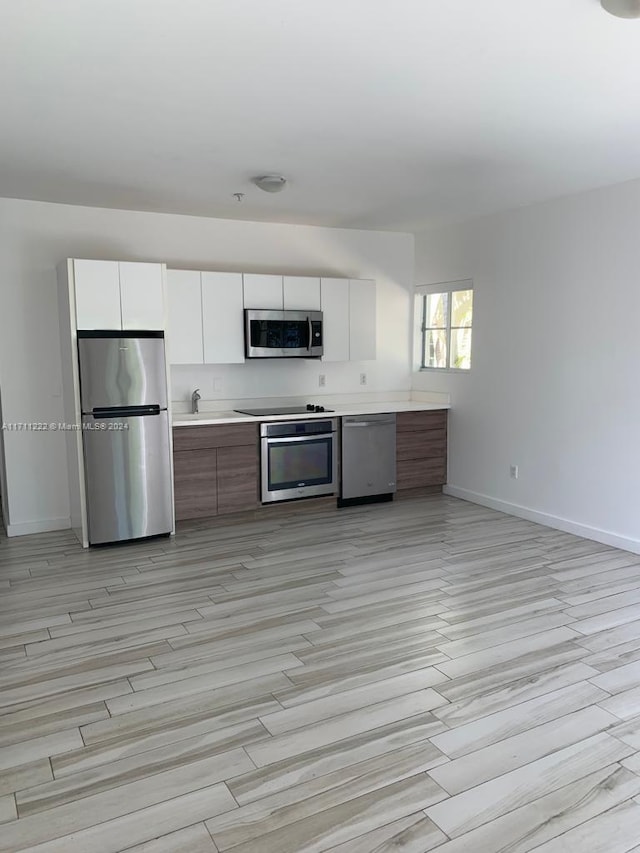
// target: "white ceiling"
[[392, 115]]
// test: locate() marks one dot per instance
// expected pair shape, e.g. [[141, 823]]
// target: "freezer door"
[[127, 476], [121, 370]]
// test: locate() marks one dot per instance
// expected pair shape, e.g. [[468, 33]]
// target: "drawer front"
[[421, 445], [237, 479], [414, 473], [414, 421], [194, 477], [225, 435]]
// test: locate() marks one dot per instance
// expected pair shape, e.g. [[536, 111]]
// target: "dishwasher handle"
[[369, 424]]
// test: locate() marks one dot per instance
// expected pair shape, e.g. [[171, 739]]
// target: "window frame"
[[448, 287]]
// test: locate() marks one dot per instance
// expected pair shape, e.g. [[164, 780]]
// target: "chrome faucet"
[[194, 402]]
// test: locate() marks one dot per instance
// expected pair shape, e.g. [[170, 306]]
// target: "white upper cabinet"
[[362, 320], [263, 291], [97, 290], [141, 296], [335, 318], [184, 301], [301, 293], [117, 295], [222, 317]]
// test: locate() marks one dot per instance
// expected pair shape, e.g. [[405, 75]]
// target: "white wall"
[[554, 385], [36, 236]]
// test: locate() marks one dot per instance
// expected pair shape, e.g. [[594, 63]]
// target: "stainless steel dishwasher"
[[368, 459]]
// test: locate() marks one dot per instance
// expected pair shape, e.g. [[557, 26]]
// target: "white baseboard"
[[45, 526], [558, 523]]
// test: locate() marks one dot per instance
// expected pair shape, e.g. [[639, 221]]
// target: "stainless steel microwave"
[[282, 334]]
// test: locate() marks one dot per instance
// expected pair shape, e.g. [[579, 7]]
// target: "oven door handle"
[[310, 327], [296, 438]]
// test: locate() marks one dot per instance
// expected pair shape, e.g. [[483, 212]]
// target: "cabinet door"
[[222, 320], [362, 320], [141, 296], [97, 286], [263, 291], [195, 483], [184, 304], [418, 473], [237, 478], [301, 293], [334, 302], [421, 449]]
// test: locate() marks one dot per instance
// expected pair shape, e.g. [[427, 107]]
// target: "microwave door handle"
[[310, 333]]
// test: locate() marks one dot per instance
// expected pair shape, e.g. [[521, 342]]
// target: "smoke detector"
[[622, 8], [270, 183]]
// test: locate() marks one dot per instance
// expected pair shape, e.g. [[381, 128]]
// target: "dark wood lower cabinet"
[[237, 479], [195, 483], [215, 470], [413, 473], [421, 449]]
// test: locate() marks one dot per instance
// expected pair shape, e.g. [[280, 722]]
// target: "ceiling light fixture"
[[622, 8], [270, 183]]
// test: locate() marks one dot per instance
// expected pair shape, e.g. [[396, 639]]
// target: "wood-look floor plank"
[[299, 716], [306, 679], [506, 634], [519, 718], [9, 627], [117, 834], [112, 758], [490, 800], [497, 655], [22, 639], [615, 831], [339, 727], [625, 704], [499, 758], [327, 827], [527, 827], [24, 731], [95, 809], [8, 809], [193, 839], [25, 776], [39, 747], [224, 705], [200, 683], [413, 834], [86, 676], [293, 773], [289, 805], [111, 773], [619, 679]]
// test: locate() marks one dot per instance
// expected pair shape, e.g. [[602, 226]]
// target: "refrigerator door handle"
[[125, 412]]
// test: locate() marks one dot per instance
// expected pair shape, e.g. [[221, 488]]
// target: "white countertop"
[[181, 419]]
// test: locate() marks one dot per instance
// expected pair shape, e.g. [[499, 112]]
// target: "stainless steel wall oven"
[[299, 459]]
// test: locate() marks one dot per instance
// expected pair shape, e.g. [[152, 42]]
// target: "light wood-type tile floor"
[[416, 676]]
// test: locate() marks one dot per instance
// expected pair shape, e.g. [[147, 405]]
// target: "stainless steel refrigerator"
[[125, 435]]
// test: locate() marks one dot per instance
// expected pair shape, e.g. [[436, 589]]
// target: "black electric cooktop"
[[283, 410]]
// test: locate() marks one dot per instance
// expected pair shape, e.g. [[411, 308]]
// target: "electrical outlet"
[[217, 384], [513, 472], [322, 380], [363, 378]]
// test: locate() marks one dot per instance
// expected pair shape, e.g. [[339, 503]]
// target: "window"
[[447, 318]]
